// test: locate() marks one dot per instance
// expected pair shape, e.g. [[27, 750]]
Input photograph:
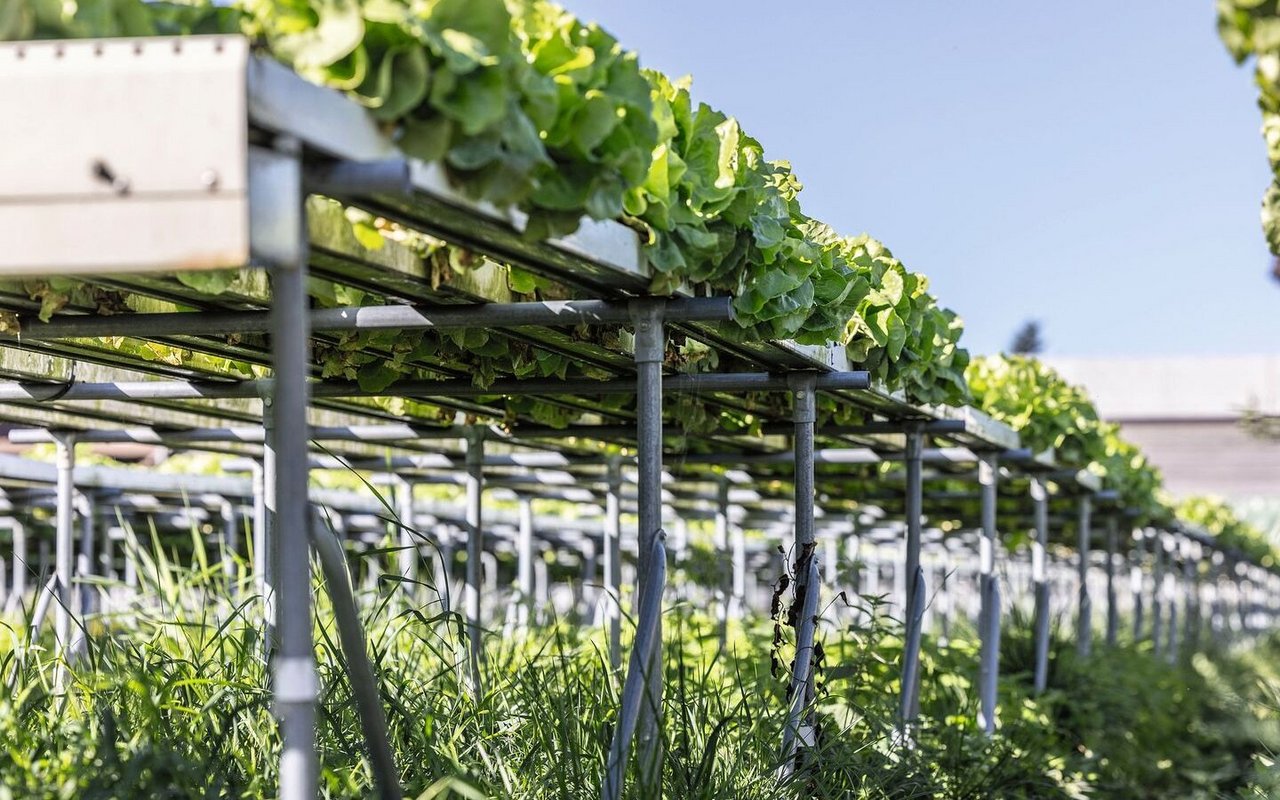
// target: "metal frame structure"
[[64, 384]]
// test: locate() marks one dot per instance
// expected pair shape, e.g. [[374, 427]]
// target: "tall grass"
[[172, 700]]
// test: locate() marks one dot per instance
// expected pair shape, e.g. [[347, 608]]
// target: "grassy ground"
[[172, 701]]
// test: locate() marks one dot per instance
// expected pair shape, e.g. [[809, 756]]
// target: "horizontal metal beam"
[[220, 390], [400, 317]]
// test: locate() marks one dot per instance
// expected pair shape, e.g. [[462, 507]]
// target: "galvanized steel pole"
[[21, 566], [524, 563], [724, 552], [1113, 612], [650, 353], [613, 560], [407, 554], [1084, 605], [989, 615], [914, 593], [1135, 582], [804, 568], [475, 547], [1157, 594], [63, 548], [295, 681], [1040, 582]]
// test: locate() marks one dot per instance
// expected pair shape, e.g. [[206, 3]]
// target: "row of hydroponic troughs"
[[523, 105]]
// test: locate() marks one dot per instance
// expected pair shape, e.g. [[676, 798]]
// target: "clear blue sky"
[[1094, 165]]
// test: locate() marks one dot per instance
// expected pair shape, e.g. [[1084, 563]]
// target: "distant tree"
[[1027, 340]]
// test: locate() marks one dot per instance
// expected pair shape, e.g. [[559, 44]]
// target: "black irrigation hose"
[[364, 685]]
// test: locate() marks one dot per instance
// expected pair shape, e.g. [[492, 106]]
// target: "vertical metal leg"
[[1040, 582], [230, 543], [63, 547], [650, 353], [524, 563], [914, 590], [83, 591], [475, 547], [443, 564], [1113, 613], [989, 616], [45, 562], [407, 553], [18, 592], [1157, 594], [800, 733], [1136, 556], [541, 587], [295, 683], [1084, 606], [1171, 599], [613, 561], [648, 614], [589, 579], [85, 556], [131, 564], [1191, 576], [259, 534], [723, 550]]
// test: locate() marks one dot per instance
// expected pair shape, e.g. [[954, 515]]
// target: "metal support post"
[[1191, 576], [804, 568], [230, 543], [21, 567], [475, 547], [648, 615], [723, 550], [1157, 594], [1135, 582], [589, 580], [913, 599], [524, 563], [295, 681], [1040, 582], [650, 353], [407, 552], [1084, 605], [1113, 612], [799, 731], [1170, 597], [64, 547], [83, 591], [613, 560], [988, 586], [443, 566]]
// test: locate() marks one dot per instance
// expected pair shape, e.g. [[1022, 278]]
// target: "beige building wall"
[[1185, 414]]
